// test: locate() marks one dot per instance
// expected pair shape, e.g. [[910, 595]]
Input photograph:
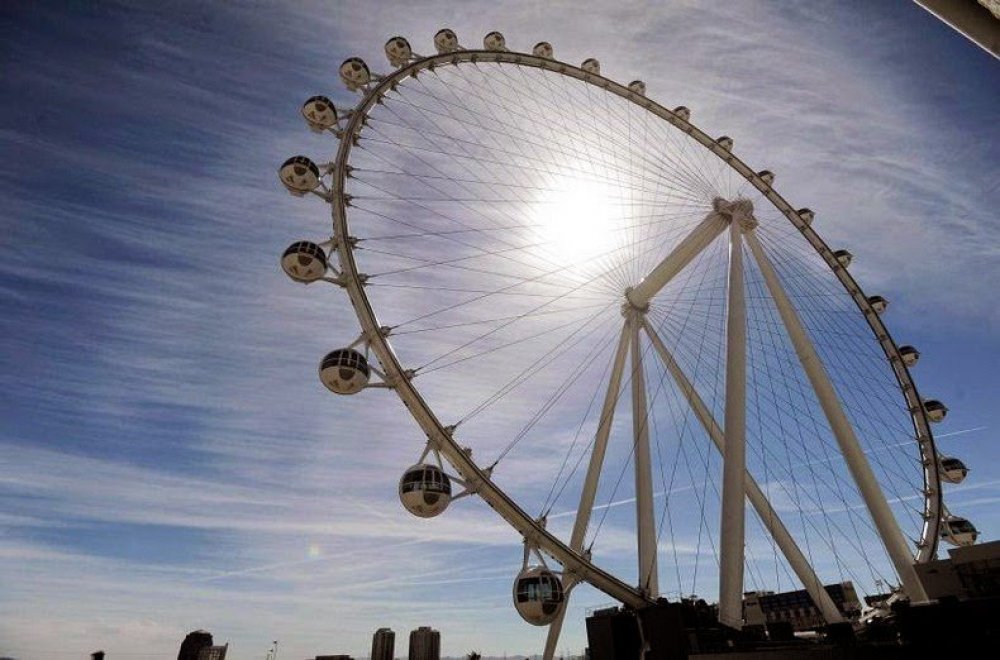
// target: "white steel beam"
[[734, 464], [971, 19], [888, 528], [692, 244], [645, 523], [589, 491], [768, 516]]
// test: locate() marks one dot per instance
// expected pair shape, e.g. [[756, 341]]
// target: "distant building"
[[383, 644], [971, 571], [213, 652], [797, 607], [425, 644], [612, 633], [193, 644]]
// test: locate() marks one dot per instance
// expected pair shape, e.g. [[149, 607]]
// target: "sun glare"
[[578, 221]]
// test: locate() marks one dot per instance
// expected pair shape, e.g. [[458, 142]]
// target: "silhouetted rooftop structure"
[[193, 643]]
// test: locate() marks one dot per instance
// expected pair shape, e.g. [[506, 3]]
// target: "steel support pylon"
[[886, 523], [768, 516], [590, 482], [734, 465], [645, 522]]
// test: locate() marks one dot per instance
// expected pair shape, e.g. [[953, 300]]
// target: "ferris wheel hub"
[[738, 210], [629, 307]]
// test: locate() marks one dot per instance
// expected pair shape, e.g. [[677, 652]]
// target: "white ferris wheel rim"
[[574, 563]]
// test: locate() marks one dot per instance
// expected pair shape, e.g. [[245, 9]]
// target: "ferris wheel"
[[559, 276]]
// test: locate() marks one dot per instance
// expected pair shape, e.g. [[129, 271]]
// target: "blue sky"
[[168, 460]]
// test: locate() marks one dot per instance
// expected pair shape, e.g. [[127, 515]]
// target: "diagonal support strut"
[[769, 517]]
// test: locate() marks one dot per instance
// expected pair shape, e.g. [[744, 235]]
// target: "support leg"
[[733, 518], [645, 523], [589, 492], [888, 528], [769, 517]]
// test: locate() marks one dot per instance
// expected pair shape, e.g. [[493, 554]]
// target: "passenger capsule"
[[591, 65], [304, 261], [494, 41], [767, 176], [958, 531], [683, 112], [725, 142], [936, 411], [878, 303], [299, 175], [952, 470], [425, 490], [637, 87], [542, 49], [909, 355], [319, 113], [344, 371], [538, 595], [446, 41], [355, 74], [806, 215], [843, 257], [398, 51]]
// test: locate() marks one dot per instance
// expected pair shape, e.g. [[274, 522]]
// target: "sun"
[[578, 221]]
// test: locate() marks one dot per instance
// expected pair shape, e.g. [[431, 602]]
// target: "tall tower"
[[383, 644], [425, 644]]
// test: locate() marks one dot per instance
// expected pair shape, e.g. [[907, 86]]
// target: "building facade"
[[797, 607], [425, 644], [383, 644], [969, 572]]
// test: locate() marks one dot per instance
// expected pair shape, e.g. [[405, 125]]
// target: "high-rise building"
[[193, 644], [383, 644], [425, 644]]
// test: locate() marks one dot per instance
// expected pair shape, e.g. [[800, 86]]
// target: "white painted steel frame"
[[645, 522], [591, 480], [732, 519], [843, 431], [692, 244], [768, 516], [353, 282]]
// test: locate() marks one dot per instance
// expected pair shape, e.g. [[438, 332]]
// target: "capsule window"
[[527, 589], [962, 527]]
